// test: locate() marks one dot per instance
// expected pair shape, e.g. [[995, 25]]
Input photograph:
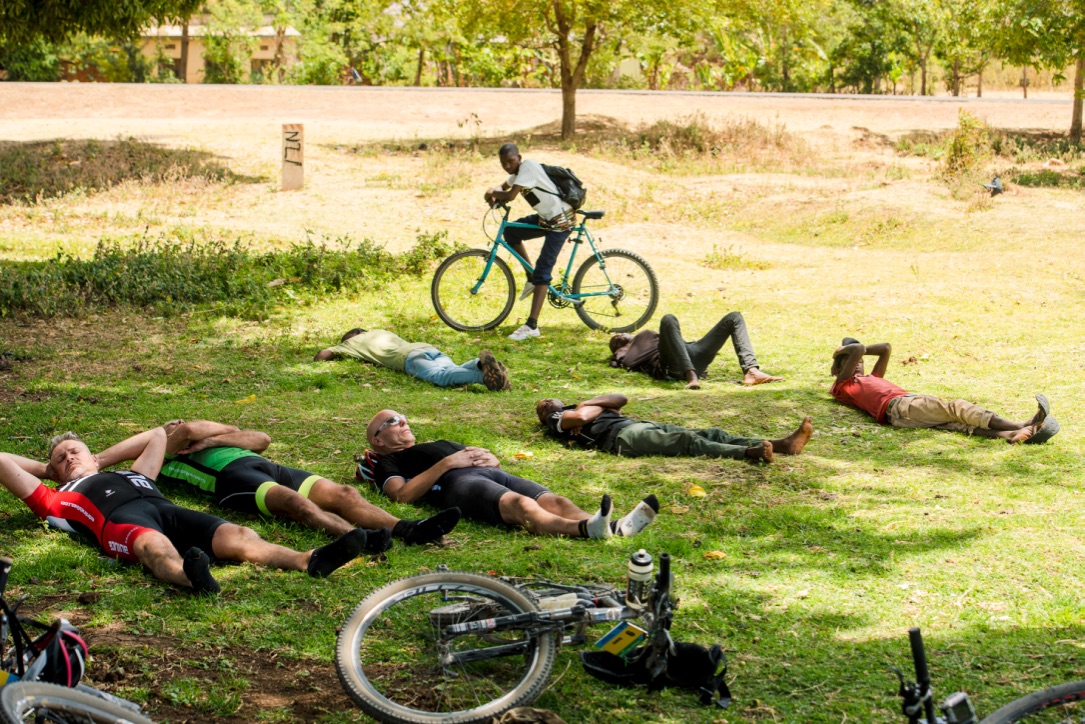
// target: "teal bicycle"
[[613, 290]]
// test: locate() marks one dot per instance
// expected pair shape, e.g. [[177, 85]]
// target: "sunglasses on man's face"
[[390, 422]]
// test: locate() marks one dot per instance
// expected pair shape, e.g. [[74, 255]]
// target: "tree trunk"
[[183, 74], [571, 77], [1079, 85], [418, 70], [979, 82], [1024, 80], [956, 78]]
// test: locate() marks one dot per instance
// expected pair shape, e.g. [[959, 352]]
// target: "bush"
[[170, 276], [968, 149]]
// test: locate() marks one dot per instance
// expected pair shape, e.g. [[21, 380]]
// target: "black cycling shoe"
[[197, 567], [378, 541], [336, 554], [417, 532]]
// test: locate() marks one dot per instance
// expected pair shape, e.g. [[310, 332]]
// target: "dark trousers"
[[677, 356], [654, 438], [550, 249]]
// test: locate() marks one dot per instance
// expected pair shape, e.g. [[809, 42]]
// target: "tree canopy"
[[25, 21]]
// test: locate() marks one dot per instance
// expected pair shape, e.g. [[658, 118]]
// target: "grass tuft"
[[31, 172]]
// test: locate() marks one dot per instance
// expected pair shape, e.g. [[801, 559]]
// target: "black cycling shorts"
[[476, 492], [185, 528], [242, 484]]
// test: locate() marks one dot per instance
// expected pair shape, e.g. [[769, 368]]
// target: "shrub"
[[968, 149], [170, 276]]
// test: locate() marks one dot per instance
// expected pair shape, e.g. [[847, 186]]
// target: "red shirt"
[[867, 392]]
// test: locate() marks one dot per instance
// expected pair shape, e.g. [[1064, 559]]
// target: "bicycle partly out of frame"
[[613, 290], [459, 647], [1064, 704], [56, 652]]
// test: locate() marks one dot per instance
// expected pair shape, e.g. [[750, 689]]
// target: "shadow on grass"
[[37, 170]]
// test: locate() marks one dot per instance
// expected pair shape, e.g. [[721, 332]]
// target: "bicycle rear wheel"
[[459, 304], [29, 701], [1064, 704], [626, 287], [394, 662]]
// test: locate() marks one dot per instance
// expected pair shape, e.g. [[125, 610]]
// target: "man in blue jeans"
[[554, 216], [418, 359]]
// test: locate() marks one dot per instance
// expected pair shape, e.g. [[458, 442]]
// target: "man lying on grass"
[[889, 404], [130, 519], [447, 474], [599, 423], [222, 461], [418, 359], [666, 355]]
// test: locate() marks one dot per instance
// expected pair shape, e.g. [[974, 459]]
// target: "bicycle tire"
[[1050, 705], [451, 291], [32, 698], [386, 654], [639, 291]]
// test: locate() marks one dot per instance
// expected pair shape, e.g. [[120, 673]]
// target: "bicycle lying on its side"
[[459, 647], [613, 290], [39, 676], [1063, 704]]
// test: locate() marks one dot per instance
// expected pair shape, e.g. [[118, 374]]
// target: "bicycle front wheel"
[[1064, 704], [32, 701], [396, 663], [621, 291], [464, 302]]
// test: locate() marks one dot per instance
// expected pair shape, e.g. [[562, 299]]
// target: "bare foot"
[[755, 376], [761, 453], [1019, 436], [796, 441], [693, 382], [695, 385]]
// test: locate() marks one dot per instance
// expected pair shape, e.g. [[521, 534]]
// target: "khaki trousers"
[[931, 411]]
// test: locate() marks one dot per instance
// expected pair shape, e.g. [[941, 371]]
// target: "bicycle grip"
[[5, 569], [919, 658], [663, 579]]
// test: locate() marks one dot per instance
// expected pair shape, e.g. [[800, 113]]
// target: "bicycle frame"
[[582, 235]]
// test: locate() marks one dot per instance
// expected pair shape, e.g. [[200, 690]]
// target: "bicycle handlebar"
[[922, 673]]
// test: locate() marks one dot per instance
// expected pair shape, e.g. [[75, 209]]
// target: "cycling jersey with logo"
[[85, 505]]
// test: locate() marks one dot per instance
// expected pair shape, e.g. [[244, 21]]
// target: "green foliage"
[[228, 44], [171, 275], [728, 258], [968, 150], [23, 21], [36, 61], [321, 62], [45, 169]]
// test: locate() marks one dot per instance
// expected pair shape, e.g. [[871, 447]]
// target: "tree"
[[23, 21], [1048, 34], [964, 47], [576, 29]]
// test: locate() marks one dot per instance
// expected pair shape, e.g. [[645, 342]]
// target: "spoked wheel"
[[624, 291], [460, 304], [396, 663], [35, 701], [1063, 704]]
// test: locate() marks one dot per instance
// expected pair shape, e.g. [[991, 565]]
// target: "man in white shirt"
[[551, 213]]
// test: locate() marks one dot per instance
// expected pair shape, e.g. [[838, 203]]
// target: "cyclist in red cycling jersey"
[[125, 513]]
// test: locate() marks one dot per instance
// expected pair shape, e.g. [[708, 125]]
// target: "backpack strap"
[[718, 683]]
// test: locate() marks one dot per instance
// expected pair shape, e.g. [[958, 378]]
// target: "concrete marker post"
[[293, 156]]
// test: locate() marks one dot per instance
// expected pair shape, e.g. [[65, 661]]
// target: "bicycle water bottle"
[[637, 581]]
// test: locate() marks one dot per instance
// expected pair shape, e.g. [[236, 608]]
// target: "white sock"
[[598, 526], [639, 518]]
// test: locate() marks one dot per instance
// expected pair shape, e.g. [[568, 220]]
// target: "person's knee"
[[517, 508], [733, 317]]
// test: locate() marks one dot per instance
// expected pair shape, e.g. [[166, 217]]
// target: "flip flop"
[[1047, 431], [1045, 406]]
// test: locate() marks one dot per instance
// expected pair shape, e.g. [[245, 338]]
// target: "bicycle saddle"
[[591, 214]]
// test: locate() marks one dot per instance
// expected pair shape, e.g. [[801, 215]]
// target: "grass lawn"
[[809, 570]]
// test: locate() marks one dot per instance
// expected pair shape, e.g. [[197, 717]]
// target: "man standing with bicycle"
[[554, 217]]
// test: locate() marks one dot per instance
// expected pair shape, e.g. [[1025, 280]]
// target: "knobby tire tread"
[[350, 670], [23, 697], [592, 263], [1020, 709]]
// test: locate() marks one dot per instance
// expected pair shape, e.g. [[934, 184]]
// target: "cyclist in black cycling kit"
[[446, 474], [125, 513], [222, 461]]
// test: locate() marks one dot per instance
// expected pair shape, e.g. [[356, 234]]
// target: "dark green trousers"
[[653, 438]]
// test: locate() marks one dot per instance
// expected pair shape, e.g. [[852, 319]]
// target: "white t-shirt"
[[532, 177]]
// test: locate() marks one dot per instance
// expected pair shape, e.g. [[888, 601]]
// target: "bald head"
[[388, 432]]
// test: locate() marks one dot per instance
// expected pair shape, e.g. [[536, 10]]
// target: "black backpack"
[[570, 188], [689, 666]]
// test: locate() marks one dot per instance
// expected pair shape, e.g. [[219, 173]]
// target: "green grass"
[[827, 558]]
